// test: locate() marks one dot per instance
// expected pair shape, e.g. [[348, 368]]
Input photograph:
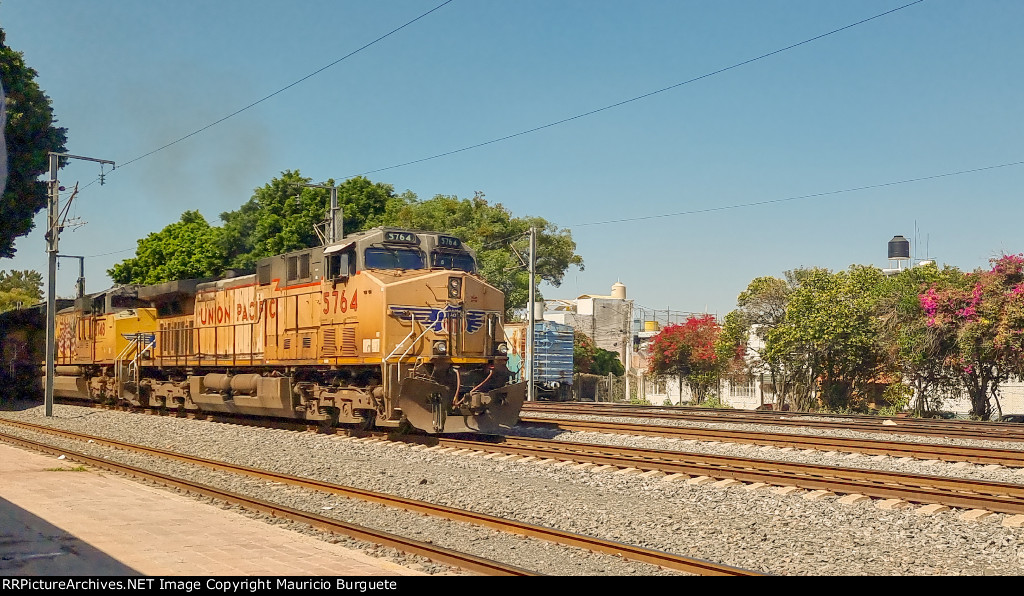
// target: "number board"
[[401, 238], [449, 242]]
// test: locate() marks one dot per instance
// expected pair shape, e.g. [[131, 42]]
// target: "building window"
[[660, 387], [741, 387]]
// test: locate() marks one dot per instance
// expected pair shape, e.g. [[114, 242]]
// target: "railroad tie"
[[892, 504], [932, 509], [975, 515]]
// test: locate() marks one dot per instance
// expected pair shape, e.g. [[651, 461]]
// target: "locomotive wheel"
[[331, 422], [369, 420], [404, 427]]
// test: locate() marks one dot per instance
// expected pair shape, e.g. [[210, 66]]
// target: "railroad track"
[[963, 493], [463, 560], [927, 451], [988, 431], [923, 451], [910, 488]]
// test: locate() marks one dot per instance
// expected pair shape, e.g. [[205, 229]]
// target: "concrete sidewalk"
[[57, 523]]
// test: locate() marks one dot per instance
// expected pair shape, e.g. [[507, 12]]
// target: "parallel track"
[[949, 453], [914, 488], [955, 429], [663, 559]]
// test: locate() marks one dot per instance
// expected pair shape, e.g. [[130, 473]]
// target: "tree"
[[187, 249], [30, 135], [24, 288], [590, 359], [911, 348], [278, 218], [281, 215], [499, 239], [830, 332], [583, 350], [606, 362], [761, 311], [984, 312], [687, 351]]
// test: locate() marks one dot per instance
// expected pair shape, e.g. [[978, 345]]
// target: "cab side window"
[[341, 264]]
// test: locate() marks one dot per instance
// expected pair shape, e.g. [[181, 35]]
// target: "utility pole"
[[531, 393], [335, 221], [80, 283], [53, 229]]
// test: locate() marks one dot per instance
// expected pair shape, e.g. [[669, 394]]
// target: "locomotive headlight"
[[454, 287], [441, 347], [501, 347]]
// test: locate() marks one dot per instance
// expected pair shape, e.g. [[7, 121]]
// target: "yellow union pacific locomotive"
[[385, 327]]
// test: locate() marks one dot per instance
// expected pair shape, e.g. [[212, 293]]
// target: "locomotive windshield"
[[393, 258], [452, 260]]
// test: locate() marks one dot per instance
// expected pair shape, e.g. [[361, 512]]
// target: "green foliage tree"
[[761, 310], [830, 332], [187, 249], [282, 214], [278, 218], [24, 288], [912, 349], [30, 135], [606, 362], [590, 359], [491, 230]]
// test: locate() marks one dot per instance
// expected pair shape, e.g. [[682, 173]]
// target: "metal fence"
[[586, 387]]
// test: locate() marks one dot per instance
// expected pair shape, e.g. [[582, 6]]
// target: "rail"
[[635, 553]]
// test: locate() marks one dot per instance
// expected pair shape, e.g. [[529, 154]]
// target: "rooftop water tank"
[[899, 248], [619, 290]]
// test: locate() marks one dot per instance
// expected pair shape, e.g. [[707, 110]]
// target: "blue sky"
[[931, 89]]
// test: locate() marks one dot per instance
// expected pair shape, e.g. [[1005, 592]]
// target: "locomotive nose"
[[426, 405]]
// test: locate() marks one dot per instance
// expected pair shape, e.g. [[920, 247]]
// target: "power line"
[[281, 90], [639, 97], [801, 197], [737, 206], [111, 253]]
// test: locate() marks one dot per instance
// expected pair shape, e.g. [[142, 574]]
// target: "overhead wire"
[[638, 97], [259, 101], [801, 197], [279, 91]]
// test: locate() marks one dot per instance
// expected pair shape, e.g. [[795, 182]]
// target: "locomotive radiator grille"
[[328, 347], [348, 342]]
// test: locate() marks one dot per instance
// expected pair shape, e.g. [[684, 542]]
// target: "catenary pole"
[[531, 325], [53, 229]]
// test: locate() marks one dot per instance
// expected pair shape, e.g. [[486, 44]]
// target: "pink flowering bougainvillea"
[[984, 314]]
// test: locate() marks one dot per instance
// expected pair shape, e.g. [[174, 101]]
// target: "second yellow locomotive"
[[384, 328]]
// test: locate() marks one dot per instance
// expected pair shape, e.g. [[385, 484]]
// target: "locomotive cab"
[[401, 329]]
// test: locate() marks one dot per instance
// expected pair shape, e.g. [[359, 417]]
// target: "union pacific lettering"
[[211, 313], [244, 313]]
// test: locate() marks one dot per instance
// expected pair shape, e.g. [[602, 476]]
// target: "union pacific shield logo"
[[474, 320], [435, 318]]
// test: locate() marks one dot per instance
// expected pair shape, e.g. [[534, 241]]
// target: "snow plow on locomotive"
[[385, 328]]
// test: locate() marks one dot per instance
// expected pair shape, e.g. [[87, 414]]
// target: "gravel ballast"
[[757, 530]]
